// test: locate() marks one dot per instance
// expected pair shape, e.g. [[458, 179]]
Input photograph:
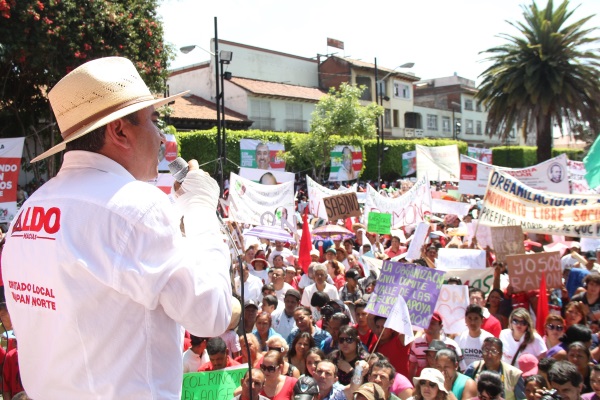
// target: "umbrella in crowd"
[[334, 232], [270, 232]]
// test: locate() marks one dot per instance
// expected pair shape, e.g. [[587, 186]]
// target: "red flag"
[[348, 222], [542, 306], [305, 244]]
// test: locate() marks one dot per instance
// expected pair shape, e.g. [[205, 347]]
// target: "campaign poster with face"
[[262, 155], [346, 163]]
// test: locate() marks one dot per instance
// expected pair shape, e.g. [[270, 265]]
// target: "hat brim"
[[105, 120]]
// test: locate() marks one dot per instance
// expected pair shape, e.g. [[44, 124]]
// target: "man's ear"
[[116, 135]]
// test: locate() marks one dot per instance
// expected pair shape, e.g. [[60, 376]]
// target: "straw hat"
[[96, 93]]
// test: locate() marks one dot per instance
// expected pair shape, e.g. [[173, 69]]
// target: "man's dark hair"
[[215, 345], [384, 363], [94, 141], [195, 340], [493, 340], [474, 309], [489, 382], [271, 300], [538, 379], [563, 372], [544, 364], [476, 290], [360, 303], [451, 354], [268, 286]]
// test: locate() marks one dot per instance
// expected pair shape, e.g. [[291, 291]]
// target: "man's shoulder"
[[510, 369]]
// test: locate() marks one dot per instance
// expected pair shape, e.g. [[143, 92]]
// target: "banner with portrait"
[[267, 177], [481, 154], [409, 163], [11, 151], [550, 175], [346, 163], [439, 163], [262, 155], [316, 194], [250, 200]]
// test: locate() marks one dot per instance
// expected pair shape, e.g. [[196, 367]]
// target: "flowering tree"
[[42, 40]]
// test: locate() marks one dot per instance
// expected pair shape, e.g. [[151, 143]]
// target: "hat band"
[[104, 113]]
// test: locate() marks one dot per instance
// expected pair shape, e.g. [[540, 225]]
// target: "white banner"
[[549, 175], [11, 151], [451, 304], [449, 259], [316, 193], [510, 202], [588, 244], [407, 209], [440, 206], [439, 163], [250, 200], [579, 184], [267, 177]]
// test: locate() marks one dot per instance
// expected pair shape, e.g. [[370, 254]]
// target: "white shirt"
[[471, 346], [310, 290], [192, 361], [252, 287], [285, 253], [282, 323], [510, 346], [118, 281], [280, 294]]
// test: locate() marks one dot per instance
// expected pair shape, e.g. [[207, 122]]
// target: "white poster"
[[316, 193], [440, 206], [484, 234], [11, 151], [579, 184], [550, 175], [460, 259], [261, 155], [439, 163], [451, 304], [410, 208], [417, 241], [250, 200], [267, 177]]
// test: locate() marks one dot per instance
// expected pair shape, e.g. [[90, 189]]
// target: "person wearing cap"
[[320, 285], [251, 308], [260, 268], [283, 317], [417, 359], [315, 255], [351, 291], [371, 391], [306, 389], [431, 351], [256, 383], [471, 339], [135, 260], [252, 284], [591, 297], [528, 364], [429, 385], [290, 276], [568, 261]]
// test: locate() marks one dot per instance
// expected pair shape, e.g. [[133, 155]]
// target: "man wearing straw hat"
[[99, 278]]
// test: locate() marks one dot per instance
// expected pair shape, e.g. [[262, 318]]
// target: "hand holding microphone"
[[193, 186]]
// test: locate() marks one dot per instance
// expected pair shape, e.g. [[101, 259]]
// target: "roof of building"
[[194, 107], [281, 90], [383, 70]]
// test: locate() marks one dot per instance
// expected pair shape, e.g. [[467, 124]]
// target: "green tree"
[[42, 40], [547, 76], [337, 115]]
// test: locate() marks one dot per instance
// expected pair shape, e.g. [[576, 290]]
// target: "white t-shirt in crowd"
[[471, 346], [510, 346], [192, 361]]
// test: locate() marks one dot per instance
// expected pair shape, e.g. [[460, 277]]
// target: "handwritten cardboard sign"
[[507, 240], [525, 270], [451, 305], [214, 385], [342, 206], [379, 223], [419, 286]]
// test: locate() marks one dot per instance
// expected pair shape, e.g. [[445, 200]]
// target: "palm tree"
[[549, 75]]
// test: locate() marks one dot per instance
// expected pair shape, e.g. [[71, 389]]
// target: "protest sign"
[[316, 194], [346, 163], [550, 175], [399, 320], [262, 155], [267, 177], [213, 385], [588, 244], [440, 206], [439, 163], [451, 304], [417, 241], [510, 202], [480, 154], [409, 163], [419, 286], [484, 234], [379, 223], [342, 206], [167, 152], [525, 270], [507, 240], [460, 259], [579, 185], [11, 151], [478, 278], [410, 208], [250, 200]]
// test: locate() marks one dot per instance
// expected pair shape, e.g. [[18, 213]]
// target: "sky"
[[442, 37]]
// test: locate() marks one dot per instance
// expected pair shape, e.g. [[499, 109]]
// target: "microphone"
[[179, 169]]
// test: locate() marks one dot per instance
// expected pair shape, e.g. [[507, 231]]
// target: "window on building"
[[260, 113], [446, 124], [401, 90], [396, 118], [412, 120], [432, 122], [387, 118], [365, 81], [469, 126], [293, 117], [469, 105], [478, 128], [477, 106]]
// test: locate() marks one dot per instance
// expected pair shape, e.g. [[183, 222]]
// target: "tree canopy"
[[548, 75]]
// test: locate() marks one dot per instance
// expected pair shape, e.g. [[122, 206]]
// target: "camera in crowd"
[[550, 395]]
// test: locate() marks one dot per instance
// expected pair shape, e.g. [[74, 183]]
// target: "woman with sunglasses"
[[572, 334], [350, 351], [555, 326], [521, 338], [429, 386], [278, 343], [277, 386], [302, 343]]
